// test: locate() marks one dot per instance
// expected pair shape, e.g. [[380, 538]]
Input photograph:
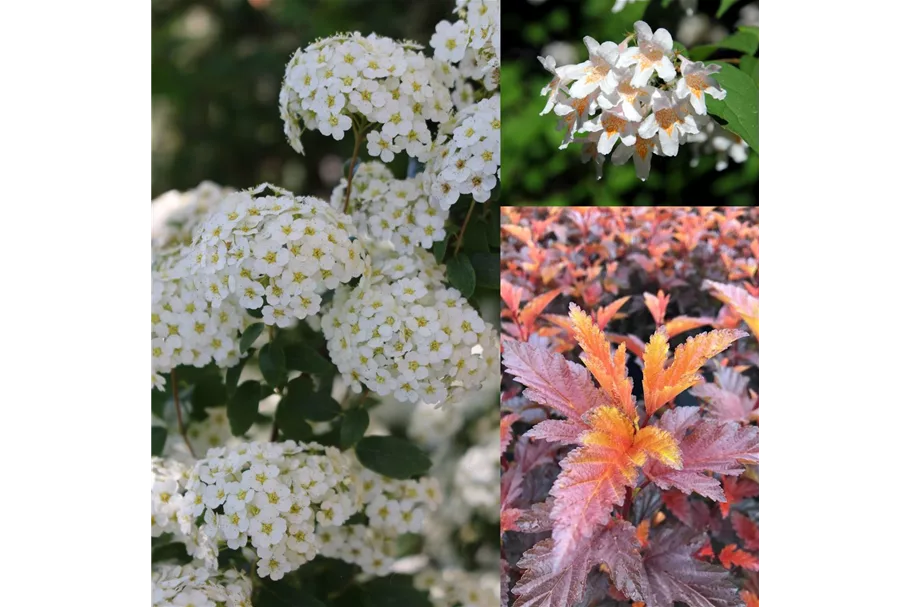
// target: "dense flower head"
[[351, 80], [467, 158], [451, 587], [175, 214], [388, 210], [169, 499], [477, 478], [402, 332], [270, 496], [196, 585], [472, 42], [635, 101], [258, 248]]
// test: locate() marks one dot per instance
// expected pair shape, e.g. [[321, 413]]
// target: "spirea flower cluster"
[[637, 101], [196, 585], [456, 587], [169, 486], [401, 331], [472, 42], [259, 248], [395, 211], [272, 496], [351, 80], [175, 214], [468, 161], [392, 507]]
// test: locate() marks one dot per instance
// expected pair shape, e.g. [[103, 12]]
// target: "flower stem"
[[357, 145], [180, 426], [458, 243], [735, 60]]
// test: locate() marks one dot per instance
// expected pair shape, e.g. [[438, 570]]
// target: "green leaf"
[[232, 376], [392, 456], [272, 364], [739, 110], [750, 65], [249, 336], [487, 269], [290, 421], [461, 275], [175, 551], [745, 40], [354, 424], [307, 403], [439, 248], [159, 437], [394, 591], [243, 406], [725, 5], [209, 391], [475, 238], [302, 357], [493, 229]]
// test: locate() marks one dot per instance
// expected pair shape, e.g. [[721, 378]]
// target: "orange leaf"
[[519, 232], [739, 300], [532, 309], [512, 295], [657, 306], [604, 314], [657, 443], [662, 384], [749, 599], [731, 556], [682, 324], [609, 369], [642, 532], [506, 423]]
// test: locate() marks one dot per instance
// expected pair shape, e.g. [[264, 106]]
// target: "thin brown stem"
[[458, 243], [735, 60], [357, 145], [180, 426]]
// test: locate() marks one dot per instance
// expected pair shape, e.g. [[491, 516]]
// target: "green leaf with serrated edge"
[[394, 591], [304, 358], [308, 403], [291, 422], [725, 5], [461, 275], [739, 110], [392, 456], [272, 364], [354, 424], [232, 376], [243, 406], [159, 437], [249, 336], [749, 65], [487, 269], [439, 248]]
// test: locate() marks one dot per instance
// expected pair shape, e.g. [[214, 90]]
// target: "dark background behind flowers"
[[217, 67]]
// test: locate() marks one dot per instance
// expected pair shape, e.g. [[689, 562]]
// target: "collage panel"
[[630, 102], [630, 406], [324, 335]]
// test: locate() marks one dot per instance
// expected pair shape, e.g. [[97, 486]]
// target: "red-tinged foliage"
[[633, 484], [735, 490], [731, 556], [749, 599], [506, 423], [746, 530]]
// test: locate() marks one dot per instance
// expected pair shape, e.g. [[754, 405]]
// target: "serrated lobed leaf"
[[607, 368], [546, 585], [618, 548], [533, 308], [744, 304], [552, 380], [661, 384], [730, 557], [557, 431]]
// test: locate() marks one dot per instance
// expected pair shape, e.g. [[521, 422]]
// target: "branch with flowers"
[[284, 327], [649, 96]]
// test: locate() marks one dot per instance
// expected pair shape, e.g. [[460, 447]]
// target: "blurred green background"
[[217, 67], [535, 172]]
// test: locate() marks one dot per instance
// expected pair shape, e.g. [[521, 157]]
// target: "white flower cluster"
[[477, 478], [169, 485], [459, 588], [175, 213], [400, 331], [259, 246], [389, 210], [472, 42], [689, 6], [468, 157], [720, 142], [351, 80], [646, 100], [271, 495], [392, 507], [197, 586]]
